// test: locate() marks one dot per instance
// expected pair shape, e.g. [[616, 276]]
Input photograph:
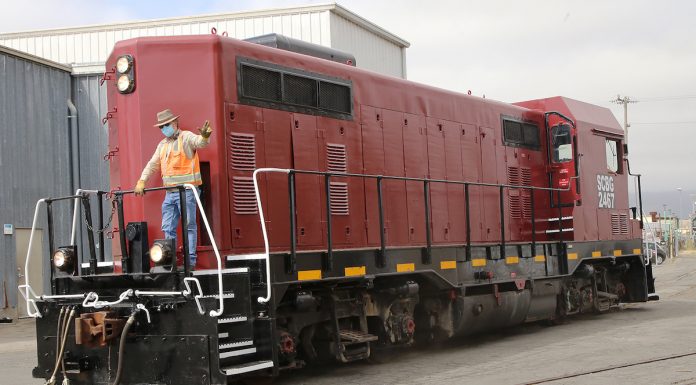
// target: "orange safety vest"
[[177, 168]]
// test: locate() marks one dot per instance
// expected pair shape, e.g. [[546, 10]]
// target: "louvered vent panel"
[[244, 198], [513, 176], [339, 198], [526, 180], [336, 157], [243, 152], [619, 224], [515, 207], [525, 176], [336, 161]]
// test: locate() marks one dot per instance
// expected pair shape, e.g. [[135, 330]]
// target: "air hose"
[[63, 339], [121, 348]]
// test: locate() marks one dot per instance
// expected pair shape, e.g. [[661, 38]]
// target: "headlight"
[[124, 83], [64, 258], [125, 72], [162, 251], [124, 63]]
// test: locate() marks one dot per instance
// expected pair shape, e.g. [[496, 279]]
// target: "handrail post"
[[560, 216], [531, 197], [100, 195], [382, 255], [468, 222], [428, 236], [125, 259], [502, 223], [90, 234], [328, 260], [291, 265], [184, 229], [51, 246]]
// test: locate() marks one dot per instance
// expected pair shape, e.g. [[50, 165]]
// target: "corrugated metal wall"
[[90, 99], [371, 51], [34, 155], [87, 48]]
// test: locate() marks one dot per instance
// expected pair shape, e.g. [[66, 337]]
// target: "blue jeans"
[[171, 213]]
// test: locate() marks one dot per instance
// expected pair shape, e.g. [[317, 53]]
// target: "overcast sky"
[[509, 51]]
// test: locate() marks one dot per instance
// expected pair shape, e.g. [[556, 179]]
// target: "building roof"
[[34, 58], [332, 7]]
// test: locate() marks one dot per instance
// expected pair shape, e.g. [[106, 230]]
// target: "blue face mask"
[[167, 130]]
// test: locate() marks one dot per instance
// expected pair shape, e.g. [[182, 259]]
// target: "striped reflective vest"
[[177, 168]]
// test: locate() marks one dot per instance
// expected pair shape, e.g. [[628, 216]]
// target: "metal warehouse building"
[[51, 105]]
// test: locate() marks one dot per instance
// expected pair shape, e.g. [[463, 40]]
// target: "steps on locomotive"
[[355, 345], [245, 328]]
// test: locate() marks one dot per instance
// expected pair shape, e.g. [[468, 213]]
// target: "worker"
[[176, 157]]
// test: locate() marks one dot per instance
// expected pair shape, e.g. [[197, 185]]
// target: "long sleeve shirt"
[[190, 141]]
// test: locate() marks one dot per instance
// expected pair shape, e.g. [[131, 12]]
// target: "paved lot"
[[526, 354]]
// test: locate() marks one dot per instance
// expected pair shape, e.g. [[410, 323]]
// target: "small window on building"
[[520, 134], [613, 159]]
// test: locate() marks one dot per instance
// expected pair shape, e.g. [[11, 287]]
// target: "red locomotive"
[[343, 213]]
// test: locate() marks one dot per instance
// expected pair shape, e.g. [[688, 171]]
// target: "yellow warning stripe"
[[354, 271], [596, 254], [636, 251], [479, 262], [512, 260], [447, 265], [539, 258], [617, 253], [308, 275], [572, 255], [403, 267]]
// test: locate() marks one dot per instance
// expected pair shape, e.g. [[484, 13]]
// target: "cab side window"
[[613, 159], [562, 143]]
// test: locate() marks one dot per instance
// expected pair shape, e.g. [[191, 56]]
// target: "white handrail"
[[27, 286], [263, 230], [221, 303]]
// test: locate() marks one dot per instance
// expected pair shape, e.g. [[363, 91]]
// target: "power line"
[[682, 122]]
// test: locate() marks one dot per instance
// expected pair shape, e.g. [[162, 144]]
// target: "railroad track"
[[610, 368]]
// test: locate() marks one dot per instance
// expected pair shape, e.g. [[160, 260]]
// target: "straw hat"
[[164, 117]]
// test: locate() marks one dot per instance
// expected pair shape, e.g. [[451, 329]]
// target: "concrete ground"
[[526, 354]]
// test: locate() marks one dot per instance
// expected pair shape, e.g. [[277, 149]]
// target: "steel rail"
[[609, 368]]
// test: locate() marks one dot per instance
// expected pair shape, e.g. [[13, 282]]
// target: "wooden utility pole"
[[624, 100]]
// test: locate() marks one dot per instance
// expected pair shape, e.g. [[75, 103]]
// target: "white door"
[[35, 266]]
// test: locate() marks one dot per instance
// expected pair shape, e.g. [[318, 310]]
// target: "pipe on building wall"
[[74, 148]]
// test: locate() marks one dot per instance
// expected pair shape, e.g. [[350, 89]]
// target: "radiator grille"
[[334, 97], [243, 152], [619, 224], [244, 198], [261, 83]]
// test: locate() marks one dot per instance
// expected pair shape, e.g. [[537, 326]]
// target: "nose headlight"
[[125, 72], [162, 251], [124, 84], [124, 63], [64, 258]]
